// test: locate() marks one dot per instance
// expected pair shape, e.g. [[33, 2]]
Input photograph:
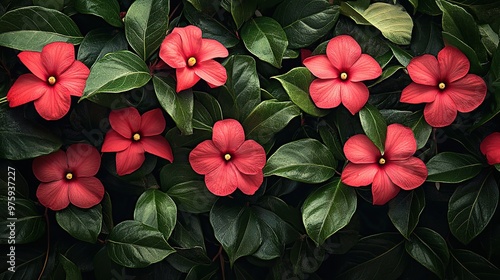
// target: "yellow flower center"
[[51, 80], [442, 86], [381, 161], [69, 176], [136, 137], [191, 61], [227, 157], [343, 76]]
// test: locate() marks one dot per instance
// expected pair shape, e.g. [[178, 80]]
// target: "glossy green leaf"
[[178, 105], [206, 111], [467, 265], [23, 224], [99, 42], [109, 10], [264, 38], [387, 73], [331, 138], [296, 84], [31, 28], [157, 210], [82, 224], [472, 206], [72, 271], [146, 24], [305, 160], [116, 72], [374, 125], [421, 129], [134, 244], [241, 10], [328, 209], [402, 56], [405, 210], [450, 167]]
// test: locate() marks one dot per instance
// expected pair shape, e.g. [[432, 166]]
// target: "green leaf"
[[206, 112], [72, 271], [109, 10], [51, 4], [82, 224], [188, 232], [331, 138], [178, 105], [405, 210], [392, 20], [202, 272], [134, 244], [305, 22], [402, 56], [184, 260], [146, 24], [429, 249], [467, 265], [387, 73], [296, 84], [236, 228], [374, 125], [305, 160], [268, 118], [29, 223], [328, 209], [31, 28], [116, 72], [421, 129], [264, 38], [157, 210], [472, 206], [99, 42], [306, 257], [475, 64], [241, 10], [449, 167]]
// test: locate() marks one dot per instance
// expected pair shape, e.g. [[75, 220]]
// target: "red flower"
[[56, 77], [387, 172], [445, 86], [68, 177], [132, 134], [490, 147], [228, 161], [340, 73], [192, 57]]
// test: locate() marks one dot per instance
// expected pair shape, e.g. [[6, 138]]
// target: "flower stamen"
[[136, 137], [191, 61], [227, 157], [381, 161], [69, 176], [51, 80], [442, 86], [343, 76]]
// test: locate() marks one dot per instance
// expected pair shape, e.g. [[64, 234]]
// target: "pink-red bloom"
[[228, 161], [388, 172], [68, 177], [490, 147], [56, 77], [132, 134], [192, 57], [445, 86], [340, 74]]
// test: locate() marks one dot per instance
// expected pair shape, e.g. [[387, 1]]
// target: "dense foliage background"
[[161, 222]]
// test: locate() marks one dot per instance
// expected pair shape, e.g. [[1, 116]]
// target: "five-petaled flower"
[[56, 77], [340, 74], [490, 147], [68, 177], [388, 172], [445, 86], [132, 134], [193, 57], [228, 161]]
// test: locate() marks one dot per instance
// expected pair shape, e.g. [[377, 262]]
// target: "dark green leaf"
[[206, 112], [109, 10], [306, 257], [402, 56], [202, 272], [157, 210], [25, 226], [188, 232], [449, 167], [241, 10], [83, 224], [51, 4], [374, 125], [185, 259], [71, 270], [405, 210], [99, 42], [286, 212], [331, 138], [387, 73], [177, 139], [429, 249], [467, 265], [427, 36], [421, 129]]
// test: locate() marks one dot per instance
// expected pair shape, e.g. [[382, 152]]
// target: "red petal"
[[249, 158], [416, 93], [83, 160], [400, 143], [441, 112], [74, 78], [85, 192], [52, 167], [190, 38], [365, 68], [57, 57], [186, 78], [383, 189], [467, 93], [212, 72], [158, 146], [228, 135], [54, 104], [407, 174], [453, 64], [53, 195], [114, 142], [152, 123], [424, 70], [358, 175], [125, 121], [129, 160], [33, 61], [26, 89], [354, 95], [343, 51], [360, 149], [321, 67], [171, 51], [325, 93], [249, 184], [490, 147], [223, 180], [211, 49], [205, 157]]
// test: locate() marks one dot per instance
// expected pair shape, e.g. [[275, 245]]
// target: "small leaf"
[[449, 167], [82, 224], [405, 210], [109, 10], [467, 265], [157, 210], [29, 224], [374, 125]]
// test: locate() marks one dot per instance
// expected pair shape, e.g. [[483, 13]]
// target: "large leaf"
[[374, 125], [23, 224], [328, 209], [472, 206], [99, 42], [116, 72], [31, 28], [305, 21], [83, 224], [109, 10], [449, 167], [146, 23], [467, 265], [305, 160], [405, 210], [265, 38], [156, 209], [134, 244]]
